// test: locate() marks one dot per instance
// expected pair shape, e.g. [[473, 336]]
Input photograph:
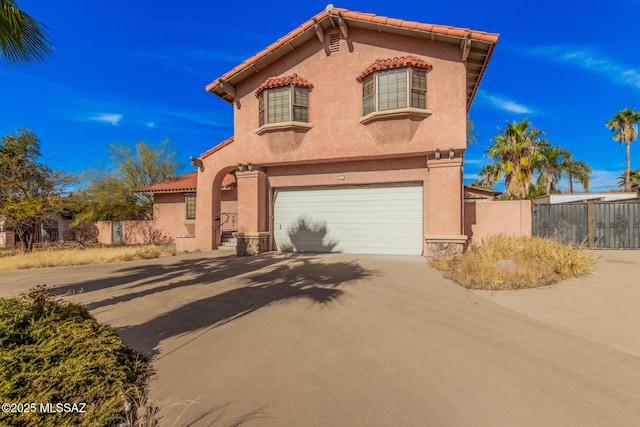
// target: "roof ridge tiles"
[[357, 16]]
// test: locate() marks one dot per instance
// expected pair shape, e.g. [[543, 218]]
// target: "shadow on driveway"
[[249, 284]]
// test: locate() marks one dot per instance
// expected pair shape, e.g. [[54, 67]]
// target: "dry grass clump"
[[504, 262], [80, 256]]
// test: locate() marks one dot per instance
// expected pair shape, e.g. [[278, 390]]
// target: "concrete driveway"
[[338, 339]]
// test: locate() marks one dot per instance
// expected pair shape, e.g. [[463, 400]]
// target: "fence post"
[[590, 222]]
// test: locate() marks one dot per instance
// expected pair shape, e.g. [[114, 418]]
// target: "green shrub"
[[56, 352], [504, 262]]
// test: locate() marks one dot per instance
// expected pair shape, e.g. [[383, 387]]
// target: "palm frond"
[[22, 38]]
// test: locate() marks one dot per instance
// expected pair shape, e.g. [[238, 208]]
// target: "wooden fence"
[[605, 225]]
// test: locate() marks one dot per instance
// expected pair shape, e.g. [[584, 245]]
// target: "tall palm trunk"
[[627, 178], [624, 126], [570, 182]]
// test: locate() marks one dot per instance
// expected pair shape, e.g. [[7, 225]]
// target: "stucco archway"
[[218, 220]]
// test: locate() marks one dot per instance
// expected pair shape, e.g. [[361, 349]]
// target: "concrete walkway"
[[604, 306], [336, 339]]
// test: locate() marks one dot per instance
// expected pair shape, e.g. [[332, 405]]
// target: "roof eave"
[[179, 190], [482, 45]]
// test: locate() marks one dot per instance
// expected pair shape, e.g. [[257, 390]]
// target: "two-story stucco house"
[[349, 136]]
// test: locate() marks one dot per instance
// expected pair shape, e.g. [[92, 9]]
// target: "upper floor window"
[[394, 84], [283, 99]]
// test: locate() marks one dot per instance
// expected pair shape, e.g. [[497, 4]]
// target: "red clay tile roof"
[[182, 184], [482, 42], [228, 180], [216, 148], [391, 63], [293, 79]]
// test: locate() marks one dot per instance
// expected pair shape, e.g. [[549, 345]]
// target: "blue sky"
[[126, 71]]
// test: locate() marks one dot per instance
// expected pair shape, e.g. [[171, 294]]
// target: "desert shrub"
[[83, 255], [55, 351], [504, 262]]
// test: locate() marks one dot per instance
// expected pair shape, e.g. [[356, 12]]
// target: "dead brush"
[[505, 262], [82, 255]]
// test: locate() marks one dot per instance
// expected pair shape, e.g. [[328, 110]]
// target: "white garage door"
[[365, 220]]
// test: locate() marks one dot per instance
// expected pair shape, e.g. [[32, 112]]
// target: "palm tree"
[[624, 126], [549, 164], [488, 176], [516, 151], [22, 38], [634, 178], [576, 169]]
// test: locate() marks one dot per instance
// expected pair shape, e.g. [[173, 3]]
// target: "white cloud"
[[476, 162], [603, 180], [503, 103], [590, 59], [113, 119], [471, 176]]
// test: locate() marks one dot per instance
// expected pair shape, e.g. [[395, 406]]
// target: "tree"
[[22, 38], [472, 133], [515, 152], [576, 169], [549, 164], [537, 189], [553, 163], [624, 126], [488, 176], [29, 190], [110, 194], [634, 178]]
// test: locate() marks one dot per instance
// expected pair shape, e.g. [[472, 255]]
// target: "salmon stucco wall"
[[133, 233], [185, 244], [97, 231], [229, 201], [335, 103], [484, 219], [169, 215]]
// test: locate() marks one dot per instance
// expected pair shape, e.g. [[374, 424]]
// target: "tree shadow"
[[256, 282], [309, 236], [139, 281], [298, 277]]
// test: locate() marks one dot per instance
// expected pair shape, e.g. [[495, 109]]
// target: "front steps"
[[228, 241]]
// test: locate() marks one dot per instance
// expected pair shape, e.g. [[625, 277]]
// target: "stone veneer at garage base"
[[252, 243]]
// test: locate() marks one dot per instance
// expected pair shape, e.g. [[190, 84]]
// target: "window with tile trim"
[[394, 89], [398, 83], [283, 99], [190, 205], [283, 104]]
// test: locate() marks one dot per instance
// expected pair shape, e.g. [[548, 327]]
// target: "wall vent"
[[334, 42]]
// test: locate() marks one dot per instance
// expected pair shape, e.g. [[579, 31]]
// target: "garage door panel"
[[377, 219]]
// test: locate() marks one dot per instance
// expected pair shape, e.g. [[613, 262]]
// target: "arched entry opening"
[[224, 209]]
